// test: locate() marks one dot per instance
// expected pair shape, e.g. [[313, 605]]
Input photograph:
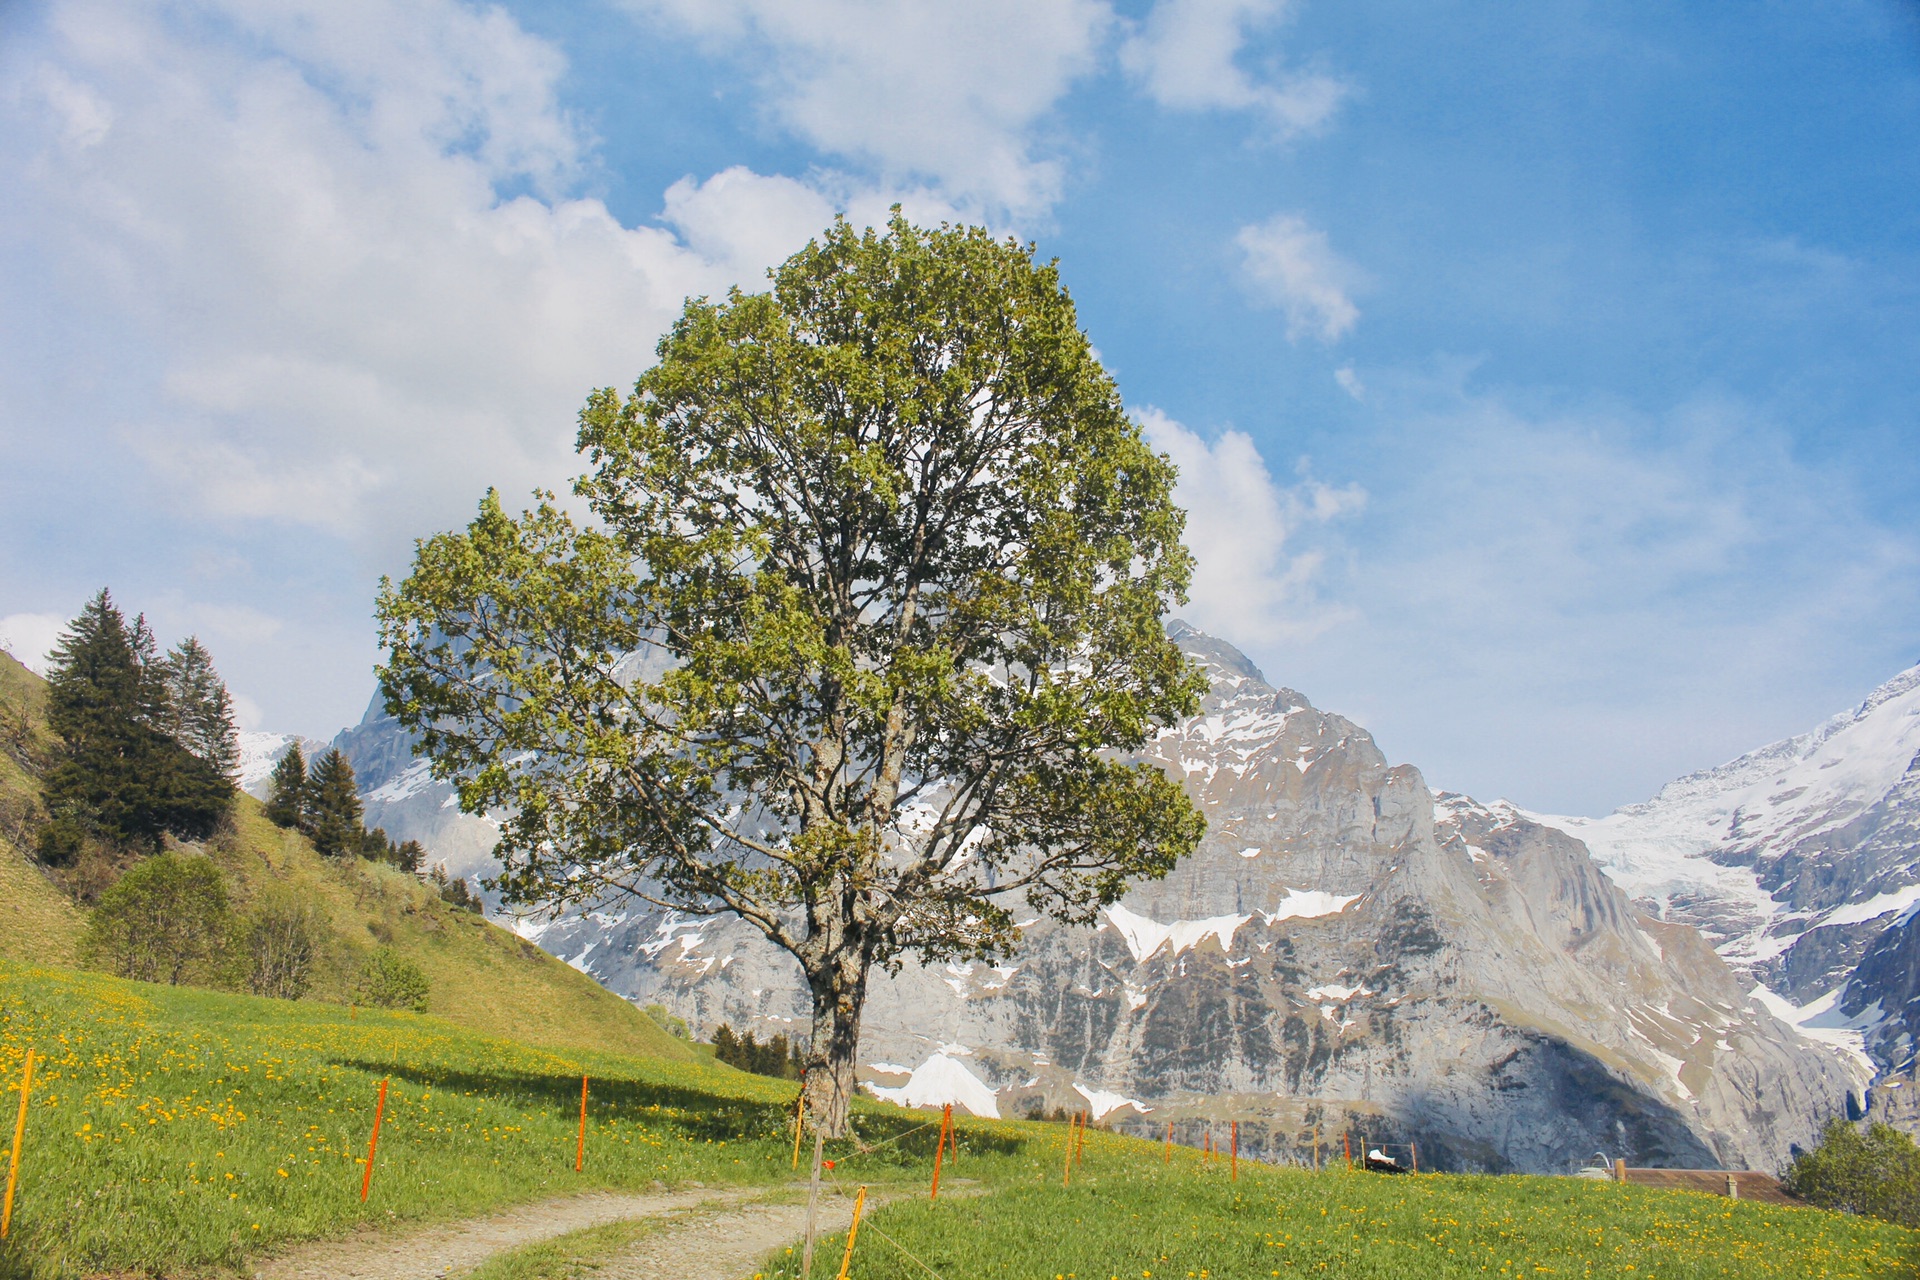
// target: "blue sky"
[[1544, 378]]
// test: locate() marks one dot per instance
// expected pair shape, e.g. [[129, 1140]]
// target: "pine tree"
[[120, 775], [287, 789], [726, 1047], [333, 806], [199, 708]]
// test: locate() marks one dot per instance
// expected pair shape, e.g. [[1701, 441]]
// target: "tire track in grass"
[[447, 1248]]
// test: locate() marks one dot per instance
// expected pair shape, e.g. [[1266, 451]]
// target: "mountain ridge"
[[1344, 946]]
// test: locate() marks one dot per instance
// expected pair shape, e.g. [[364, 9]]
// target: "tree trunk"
[[839, 988]]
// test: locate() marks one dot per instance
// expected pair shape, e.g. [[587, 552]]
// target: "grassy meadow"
[[177, 1131], [174, 1129], [1125, 1216]]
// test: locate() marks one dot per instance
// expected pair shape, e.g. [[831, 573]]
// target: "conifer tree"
[[333, 806], [287, 789], [199, 708], [120, 774]]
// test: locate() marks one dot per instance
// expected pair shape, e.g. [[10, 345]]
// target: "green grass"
[[180, 1131], [477, 972], [174, 1129], [1125, 1217], [576, 1255]]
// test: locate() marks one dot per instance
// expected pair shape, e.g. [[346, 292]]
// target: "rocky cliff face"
[[1795, 860], [1346, 951]]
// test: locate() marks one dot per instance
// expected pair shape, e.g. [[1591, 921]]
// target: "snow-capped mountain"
[[1346, 948], [1792, 859]]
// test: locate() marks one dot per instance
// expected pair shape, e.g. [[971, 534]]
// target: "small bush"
[[60, 843], [166, 919], [1876, 1173], [283, 937], [669, 1022], [389, 980]]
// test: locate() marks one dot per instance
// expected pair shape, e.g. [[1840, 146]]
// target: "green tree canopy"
[[333, 806], [287, 789], [1876, 1173], [120, 773], [870, 613], [199, 709], [165, 919]]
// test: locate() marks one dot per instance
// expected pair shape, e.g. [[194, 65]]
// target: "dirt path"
[[427, 1253], [727, 1245], [710, 1235]]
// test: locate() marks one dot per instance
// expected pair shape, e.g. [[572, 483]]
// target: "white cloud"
[[1573, 605], [1186, 56], [286, 225], [1290, 265], [1249, 585], [30, 637], [917, 89]]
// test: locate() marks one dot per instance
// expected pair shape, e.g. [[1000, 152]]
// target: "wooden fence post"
[[1316, 1148], [1414, 1148], [580, 1151], [19, 1136], [813, 1201], [1168, 1157], [373, 1143], [1236, 1152]]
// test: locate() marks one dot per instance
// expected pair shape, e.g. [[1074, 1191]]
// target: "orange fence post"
[[1236, 1152], [799, 1114], [19, 1136], [580, 1151], [946, 1119], [1414, 1148], [1066, 1174], [373, 1144], [1168, 1157], [859, 1202]]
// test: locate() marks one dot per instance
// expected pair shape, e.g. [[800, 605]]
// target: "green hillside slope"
[[481, 975]]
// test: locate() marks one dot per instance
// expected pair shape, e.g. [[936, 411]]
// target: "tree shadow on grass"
[[691, 1114]]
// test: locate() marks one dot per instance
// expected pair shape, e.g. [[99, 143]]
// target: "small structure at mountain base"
[[1740, 1184]]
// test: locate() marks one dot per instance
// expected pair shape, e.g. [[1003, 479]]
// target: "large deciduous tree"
[[869, 615]]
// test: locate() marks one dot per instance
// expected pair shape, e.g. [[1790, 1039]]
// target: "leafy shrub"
[[669, 1022], [166, 918], [1876, 1173], [283, 938], [389, 980]]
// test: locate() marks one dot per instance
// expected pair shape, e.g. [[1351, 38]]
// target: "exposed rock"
[[1343, 951], [1795, 860]]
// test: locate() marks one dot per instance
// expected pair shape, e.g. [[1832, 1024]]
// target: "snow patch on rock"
[[935, 1083]]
